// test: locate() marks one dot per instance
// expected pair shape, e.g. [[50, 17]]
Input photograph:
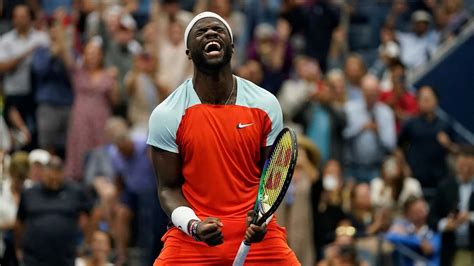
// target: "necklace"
[[231, 92]]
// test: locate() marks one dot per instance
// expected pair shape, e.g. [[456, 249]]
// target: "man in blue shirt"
[[414, 241], [53, 93], [130, 159]]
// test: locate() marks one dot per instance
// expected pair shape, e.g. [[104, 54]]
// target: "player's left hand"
[[254, 232]]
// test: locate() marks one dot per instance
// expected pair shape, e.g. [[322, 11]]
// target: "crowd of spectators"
[[381, 177]]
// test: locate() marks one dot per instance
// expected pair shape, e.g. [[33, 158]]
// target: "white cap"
[[204, 15], [39, 156], [421, 16]]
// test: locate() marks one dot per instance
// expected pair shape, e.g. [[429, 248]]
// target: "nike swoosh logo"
[[240, 125]]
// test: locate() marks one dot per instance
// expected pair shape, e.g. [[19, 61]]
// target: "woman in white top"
[[394, 187], [10, 190]]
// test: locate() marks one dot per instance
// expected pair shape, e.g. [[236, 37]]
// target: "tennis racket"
[[274, 182]]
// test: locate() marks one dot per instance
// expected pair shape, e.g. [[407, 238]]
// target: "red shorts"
[[180, 249]]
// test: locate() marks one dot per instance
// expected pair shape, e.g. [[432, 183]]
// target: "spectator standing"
[[53, 91], [426, 140], [130, 160], [418, 46], [273, 51], [451, 212], [95, 94], [411, 233], [38, 159], [354, 70], [402, 101], [324, 122], [16, 47], [370, 132], [296, 91], [119, 54], [144, 92], [170, 53], [48, 219]]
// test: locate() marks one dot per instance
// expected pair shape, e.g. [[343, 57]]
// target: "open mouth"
[[213, 48]]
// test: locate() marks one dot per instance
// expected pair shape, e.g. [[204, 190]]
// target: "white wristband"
[[181, 217]]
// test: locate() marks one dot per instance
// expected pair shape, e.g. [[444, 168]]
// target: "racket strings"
[[277, 170]]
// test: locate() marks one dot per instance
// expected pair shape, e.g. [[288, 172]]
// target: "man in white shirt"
[[370, 131], [418, 46], [16, 47]]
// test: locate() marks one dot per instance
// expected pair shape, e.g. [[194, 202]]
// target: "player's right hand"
[[209, 231]]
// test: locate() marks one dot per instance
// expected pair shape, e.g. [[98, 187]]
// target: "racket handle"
[[241, 254]]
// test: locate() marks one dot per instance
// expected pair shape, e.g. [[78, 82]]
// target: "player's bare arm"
[[167, 166]]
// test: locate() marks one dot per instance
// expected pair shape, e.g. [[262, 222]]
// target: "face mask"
[[329, 182]]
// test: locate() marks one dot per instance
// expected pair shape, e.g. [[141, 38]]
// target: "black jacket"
[[446, 201]]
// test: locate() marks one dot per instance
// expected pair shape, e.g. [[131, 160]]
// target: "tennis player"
[[210, 138]]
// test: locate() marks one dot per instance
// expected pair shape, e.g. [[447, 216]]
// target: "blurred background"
[[380, 92]]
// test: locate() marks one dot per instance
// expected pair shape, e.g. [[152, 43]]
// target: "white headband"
[[203, 15]]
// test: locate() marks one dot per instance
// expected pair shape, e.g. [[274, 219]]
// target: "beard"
[[205, 65]]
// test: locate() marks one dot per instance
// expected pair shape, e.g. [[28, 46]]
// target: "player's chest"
[[211, 128]]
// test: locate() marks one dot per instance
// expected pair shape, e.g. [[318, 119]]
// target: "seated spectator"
[[323, 122], [10, 190], [451, 212], [328, 198], [295, 213], [101, 246], [418, 46], [426, 140], [402, 102], [370, 132], [48, 217], [343, 250], [393, 188], [366, 220], [414, 241]]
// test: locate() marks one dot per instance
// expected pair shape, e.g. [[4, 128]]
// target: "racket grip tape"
[[241, 254]]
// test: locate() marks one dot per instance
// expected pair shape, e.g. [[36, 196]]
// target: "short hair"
[[410, 201], [396, 62], [427, 87]]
